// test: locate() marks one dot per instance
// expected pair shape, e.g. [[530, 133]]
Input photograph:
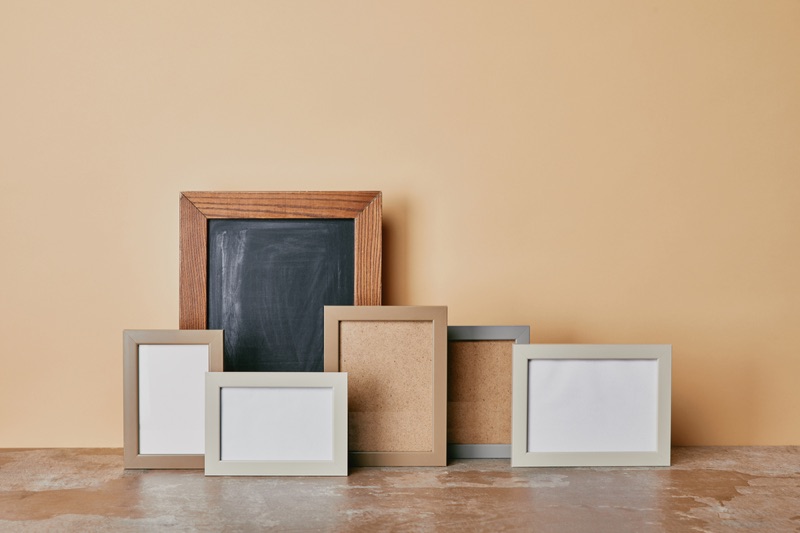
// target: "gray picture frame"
[[618, 354], [516, 334], [215, 465], [132, 340]]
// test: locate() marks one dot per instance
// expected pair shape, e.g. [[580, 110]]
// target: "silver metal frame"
[[215, 466], [520, 456], [518, 334]]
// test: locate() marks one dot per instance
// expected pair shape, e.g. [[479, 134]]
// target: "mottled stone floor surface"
[[706, 489]]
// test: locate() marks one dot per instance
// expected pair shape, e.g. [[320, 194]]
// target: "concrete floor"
[[707, 489]]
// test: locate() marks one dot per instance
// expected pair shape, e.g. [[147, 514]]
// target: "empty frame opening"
[[172, 398], [276, 423], [390, 394], [592, 405]]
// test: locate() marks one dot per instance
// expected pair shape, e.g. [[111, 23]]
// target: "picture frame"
[[591, 405], [210, 292], [479, 370], [396, 357], [163, 396], [276, 424]]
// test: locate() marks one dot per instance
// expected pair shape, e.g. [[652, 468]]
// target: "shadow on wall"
[[698, 369], [395, 253], [694, 376]]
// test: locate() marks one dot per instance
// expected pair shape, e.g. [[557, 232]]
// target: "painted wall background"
[[607, 172]]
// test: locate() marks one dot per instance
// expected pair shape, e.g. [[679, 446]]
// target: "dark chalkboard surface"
[[268, 281]]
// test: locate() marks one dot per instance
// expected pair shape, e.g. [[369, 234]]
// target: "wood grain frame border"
[[523, 353], [196, 208], [437, 315], [131, 339], [517, 334]]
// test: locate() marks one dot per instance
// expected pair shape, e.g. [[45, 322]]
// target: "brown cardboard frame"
[[196, 208], [132, 339], [437, 315]]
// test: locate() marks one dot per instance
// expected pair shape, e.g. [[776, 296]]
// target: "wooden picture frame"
[[276, 424], [200, 210], [591, 405], [163, 396], [396, 357], [479, 369]]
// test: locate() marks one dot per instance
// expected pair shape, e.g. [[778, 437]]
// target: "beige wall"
[[607, 172]]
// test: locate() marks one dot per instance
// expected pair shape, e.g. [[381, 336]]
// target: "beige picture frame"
[[591, 405], [270, 436], [396, 357], [133, 341]]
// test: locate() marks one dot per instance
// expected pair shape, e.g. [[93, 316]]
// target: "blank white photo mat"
[[276, 423], [171, 398], [591, 405]]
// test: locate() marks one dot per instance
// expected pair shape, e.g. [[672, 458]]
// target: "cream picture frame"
[[591, 405], [276, 424]]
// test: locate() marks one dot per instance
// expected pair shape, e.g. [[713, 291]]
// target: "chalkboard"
[[268, 283]]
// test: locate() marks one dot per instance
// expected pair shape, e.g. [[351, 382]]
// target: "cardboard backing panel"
[[479, 392], [390, 364]]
